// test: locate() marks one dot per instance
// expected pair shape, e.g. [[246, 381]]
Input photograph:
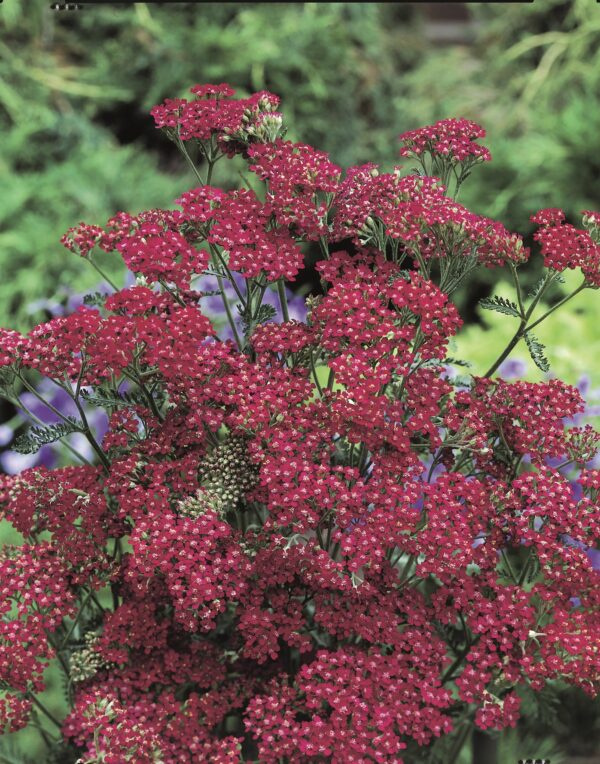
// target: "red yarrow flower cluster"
[[233, 122], [387, 210], [307, 542], [565, 247], [452, 138], [300, 182]]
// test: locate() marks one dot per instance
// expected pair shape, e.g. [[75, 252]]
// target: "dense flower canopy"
[[305, 542]]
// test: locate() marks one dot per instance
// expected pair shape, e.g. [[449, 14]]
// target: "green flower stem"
[[172, 292], [72, 627], [215, 252], [509, 566], [226, 305], [448, 675], [209, 172], [517, 283], [459, 743], [558, 305], [363, 455], [135, 378], [314, 373], [283, 300], [525, 570], [102, 273], [48, 714], [324, 247], [57, 649], [86, 428], [87, 431], [188, 159], [507, 350], [49, 742], [40, 398]]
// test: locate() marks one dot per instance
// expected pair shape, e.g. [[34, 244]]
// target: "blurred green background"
[[79, 144]]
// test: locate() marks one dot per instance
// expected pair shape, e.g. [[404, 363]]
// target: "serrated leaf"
[[534, 569], [536, 351], [500, 305], [457, 362], [558, 277], [31, 441], [459, 381], [403, 274], [110, 399], [534, 291], [250, 322], [95, 300]]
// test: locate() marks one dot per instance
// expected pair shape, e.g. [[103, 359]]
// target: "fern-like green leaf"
[[31, 441], [457, 362], [105, 398], [536, 351], [500, 305], [535, 289], [250, 322], [95, 300]]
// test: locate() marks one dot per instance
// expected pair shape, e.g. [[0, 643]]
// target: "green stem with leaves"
[[524, 326], [226, 305], [37, 420]]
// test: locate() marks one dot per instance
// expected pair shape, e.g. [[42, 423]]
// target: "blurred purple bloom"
[[12, 462], [594, 557], [512, 368], [6, 434]]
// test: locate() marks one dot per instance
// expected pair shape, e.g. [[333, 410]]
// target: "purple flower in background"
[[593, 554], [594, 557], [6, 434], [512, 368], [12, 462]]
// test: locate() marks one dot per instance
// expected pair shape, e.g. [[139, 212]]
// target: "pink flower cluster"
[[451, 138], [307, 544], [299, 181], [415, 215], [233, 123], [240, 224], [566, 247]]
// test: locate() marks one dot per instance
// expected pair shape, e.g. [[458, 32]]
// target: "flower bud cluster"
[[227, 471], [86, 662]]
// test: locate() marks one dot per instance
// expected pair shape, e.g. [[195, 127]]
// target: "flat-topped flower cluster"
[[306, 543]]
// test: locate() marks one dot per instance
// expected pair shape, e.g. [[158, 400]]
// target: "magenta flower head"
[[564, 246], [454, 139]]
